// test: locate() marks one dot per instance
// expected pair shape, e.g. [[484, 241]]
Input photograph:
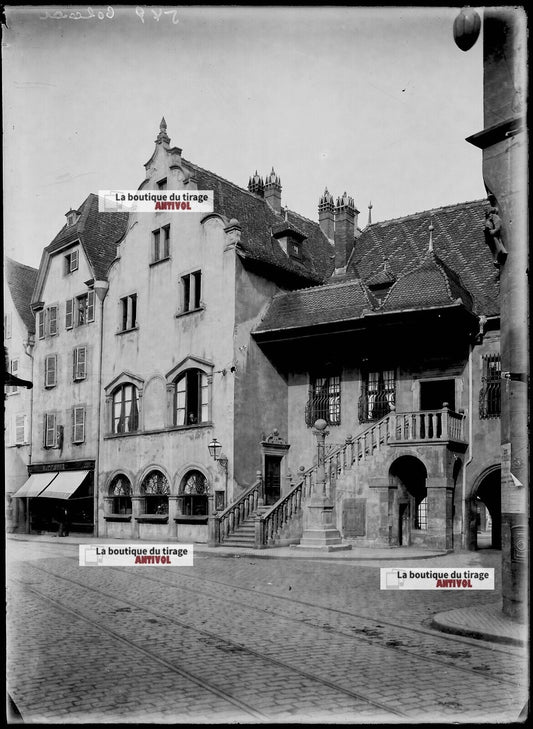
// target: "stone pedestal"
[[320, 532]]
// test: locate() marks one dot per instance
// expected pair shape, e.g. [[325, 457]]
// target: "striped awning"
[[64, 485], [36, 483]]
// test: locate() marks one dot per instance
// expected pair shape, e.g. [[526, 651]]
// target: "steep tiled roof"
[[21, 281], [98, 233], [458, 241], [258, 220], [430, 283], [316, 305], [463, 269]]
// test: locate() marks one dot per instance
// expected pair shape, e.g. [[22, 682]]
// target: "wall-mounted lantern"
[[215, 451]]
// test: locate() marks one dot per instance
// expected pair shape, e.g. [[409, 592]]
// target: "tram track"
[[232, 646]]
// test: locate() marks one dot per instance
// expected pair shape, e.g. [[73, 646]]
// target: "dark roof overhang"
[[369, 320]]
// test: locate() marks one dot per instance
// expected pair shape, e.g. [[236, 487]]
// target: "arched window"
[[120, 490], [155, 490], [125, 412], [192, 398], [194, 491]]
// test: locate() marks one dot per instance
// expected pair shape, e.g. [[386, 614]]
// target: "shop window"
[[155, 490], [324, 400], [194, 494], [378, 395], [490, 394], [125, 409], [120, 491]]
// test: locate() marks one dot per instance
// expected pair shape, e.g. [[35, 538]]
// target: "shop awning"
[[36, 483], [64, 485]]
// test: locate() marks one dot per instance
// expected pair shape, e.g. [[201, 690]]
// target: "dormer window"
[[72, 217], [290, 239], [162, 184], [294, 248]]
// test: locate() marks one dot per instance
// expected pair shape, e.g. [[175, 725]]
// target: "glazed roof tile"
[[460, 268], [21, 280]]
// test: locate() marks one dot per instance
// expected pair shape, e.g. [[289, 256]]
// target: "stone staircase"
[[244, 533]]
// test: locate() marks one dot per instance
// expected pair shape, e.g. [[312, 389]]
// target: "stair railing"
[[241, 509]]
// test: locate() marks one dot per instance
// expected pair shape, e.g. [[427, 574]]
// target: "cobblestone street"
[[240, 639]]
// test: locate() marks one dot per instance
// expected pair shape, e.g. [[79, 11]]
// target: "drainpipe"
[[28, 346], [101, 288], [479, 338]]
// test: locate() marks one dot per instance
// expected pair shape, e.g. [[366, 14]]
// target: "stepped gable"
[[259, 221], [21, 280], [316, 305], [431, 283], [458, 238], [99, 234]]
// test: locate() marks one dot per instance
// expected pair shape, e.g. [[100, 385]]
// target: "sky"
[[374, 101]]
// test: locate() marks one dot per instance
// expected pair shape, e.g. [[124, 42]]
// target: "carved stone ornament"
[[275, 437], [493, 238]]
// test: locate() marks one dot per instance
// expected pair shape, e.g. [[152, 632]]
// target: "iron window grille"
[[120, 491], [324, 401], [490, 394], [155, 490], [378, 395]]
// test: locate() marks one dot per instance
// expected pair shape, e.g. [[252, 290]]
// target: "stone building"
[[66, 368], [19, 327], [234, 332]]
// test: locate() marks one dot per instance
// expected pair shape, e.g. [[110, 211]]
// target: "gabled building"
[[19, 281], [182, 361], [66, 303], [399, 354], [180, 370]]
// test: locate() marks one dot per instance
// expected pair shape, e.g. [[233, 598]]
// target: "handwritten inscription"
[[142, 13]]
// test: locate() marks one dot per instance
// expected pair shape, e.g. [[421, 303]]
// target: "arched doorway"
[[486, 512], [408, 514]]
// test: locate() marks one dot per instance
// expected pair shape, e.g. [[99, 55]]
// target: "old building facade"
[[19, 281], [234, 332]]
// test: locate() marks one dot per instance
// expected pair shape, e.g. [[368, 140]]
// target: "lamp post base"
[[327, 540]]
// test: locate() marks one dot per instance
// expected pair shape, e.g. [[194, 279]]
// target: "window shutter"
[[78, 425], [74, 260], [40, 324], [45, 426], [90, 306], [204, 398], [20, 429], [180, 401], [52, 320], [69, 310]]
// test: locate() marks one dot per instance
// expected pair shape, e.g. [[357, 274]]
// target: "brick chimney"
[[256, 185], [273, 191], [326, 215], [345, 224]]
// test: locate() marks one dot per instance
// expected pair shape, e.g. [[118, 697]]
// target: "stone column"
[[320, 531], [136, 506]]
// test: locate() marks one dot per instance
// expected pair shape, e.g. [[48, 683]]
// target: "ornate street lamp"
[[215, 451]]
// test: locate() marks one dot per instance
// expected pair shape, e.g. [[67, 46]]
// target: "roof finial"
[[370, 213], [431, 229], [162, 136]]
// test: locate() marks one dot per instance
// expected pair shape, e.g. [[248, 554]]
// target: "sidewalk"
[[355, 554], [486, 622]]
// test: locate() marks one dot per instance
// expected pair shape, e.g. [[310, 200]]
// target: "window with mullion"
[[125, 413], [192, 398], [50, 370]]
